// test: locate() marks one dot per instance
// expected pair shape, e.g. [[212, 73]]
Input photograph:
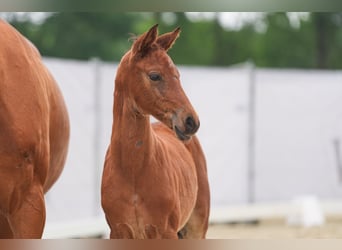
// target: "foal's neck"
[[132, 135]]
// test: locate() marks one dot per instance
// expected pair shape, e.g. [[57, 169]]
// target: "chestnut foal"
[[154, 183]]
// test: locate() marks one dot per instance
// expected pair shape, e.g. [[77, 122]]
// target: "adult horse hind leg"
[[5, 229], [28, 220]]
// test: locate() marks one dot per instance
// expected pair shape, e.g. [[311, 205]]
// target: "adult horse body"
[[154, 184], [34, 135]]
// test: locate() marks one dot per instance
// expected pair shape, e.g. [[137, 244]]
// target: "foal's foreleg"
[[28, 220]]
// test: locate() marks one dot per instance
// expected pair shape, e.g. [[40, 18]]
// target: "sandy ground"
[[276, 229]]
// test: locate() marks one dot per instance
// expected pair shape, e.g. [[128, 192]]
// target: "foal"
[[154, 183], [34, 135]]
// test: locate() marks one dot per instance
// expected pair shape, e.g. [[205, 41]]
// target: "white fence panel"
[[73, 195], [220, 96], [298, 117]]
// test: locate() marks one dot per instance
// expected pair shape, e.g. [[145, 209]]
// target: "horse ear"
[[142, 45], [167, 40]]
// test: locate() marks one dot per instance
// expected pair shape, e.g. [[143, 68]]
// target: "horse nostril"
[[190, 125]]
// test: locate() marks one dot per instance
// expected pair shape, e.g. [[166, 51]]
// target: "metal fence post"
[[97, 132], [251, 134]]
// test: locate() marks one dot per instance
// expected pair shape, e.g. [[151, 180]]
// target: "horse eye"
[[155, 77]]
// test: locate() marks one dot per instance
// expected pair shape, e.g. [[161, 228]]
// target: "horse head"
[[153, 82]]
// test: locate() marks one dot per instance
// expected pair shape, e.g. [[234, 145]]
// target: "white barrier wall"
[[220, 96], [73, 195], [297, 115], [298, 118]]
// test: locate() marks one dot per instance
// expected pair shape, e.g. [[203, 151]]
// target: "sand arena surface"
[[276, 229]]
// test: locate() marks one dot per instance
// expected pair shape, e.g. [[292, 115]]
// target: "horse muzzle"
[[186, 129]]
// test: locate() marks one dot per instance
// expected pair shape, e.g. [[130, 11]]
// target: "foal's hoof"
[[182, 233]]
